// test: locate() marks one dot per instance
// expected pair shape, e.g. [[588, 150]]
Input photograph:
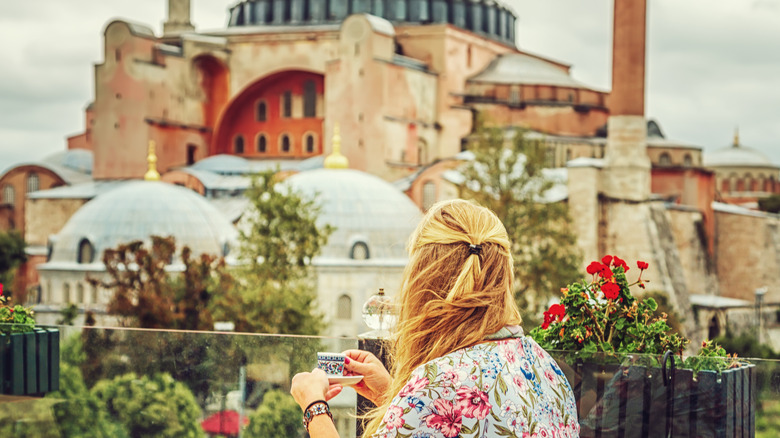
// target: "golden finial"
[[151, 158], [736, 137], [336, 160]]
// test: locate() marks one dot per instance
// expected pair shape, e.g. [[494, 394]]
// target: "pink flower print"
[[446, 417], [450, 377], [510, 356], [486, 386], [446, 393], [550, 376], [473, 402], [519, 381], [507, 408], [473, 378], [416, 384], [394, 417], [542, 432]]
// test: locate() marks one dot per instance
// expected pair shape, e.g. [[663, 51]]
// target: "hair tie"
[[475, 249]]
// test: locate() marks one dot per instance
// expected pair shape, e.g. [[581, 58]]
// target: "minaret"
[[336, 160], [151, 159], [178, 18], [627, 166]]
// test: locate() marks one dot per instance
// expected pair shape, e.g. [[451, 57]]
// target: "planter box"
[[30, 362], [633, 401]]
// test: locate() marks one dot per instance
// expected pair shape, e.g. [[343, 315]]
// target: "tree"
[[279, 238], [151, 406], [145, 292], [78, 412], [770, 204], [509, 177], [12, 255], [278, 415]]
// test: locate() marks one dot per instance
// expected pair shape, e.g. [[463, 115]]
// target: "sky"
[[712, 65]]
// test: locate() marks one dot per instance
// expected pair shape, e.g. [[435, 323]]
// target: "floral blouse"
[[506, 388]]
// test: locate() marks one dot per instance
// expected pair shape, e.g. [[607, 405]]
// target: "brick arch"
[[239, 117]]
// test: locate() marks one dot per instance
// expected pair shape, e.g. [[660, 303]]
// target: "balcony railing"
[[134, 382]]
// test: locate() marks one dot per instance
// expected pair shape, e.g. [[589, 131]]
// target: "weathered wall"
[[747, 254], [46, 217], [691, 241]]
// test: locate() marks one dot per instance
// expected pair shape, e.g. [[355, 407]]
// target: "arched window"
[[191, 149], [344, 307], [748, 183], [359, 251], [32, 182], [309, 142], [428, 195], [732, 183], [286, 109], [664, 160], [9, 195], [687, 160], [47, 293], [86, 252], [725, 185], [66, 293], [261, 114], [262, 143], [79, 293], [309, 99], [94, 295], [284, 143], [238, 144], [568, 155]]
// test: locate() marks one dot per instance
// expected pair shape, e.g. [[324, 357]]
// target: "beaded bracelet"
[[318, 407]]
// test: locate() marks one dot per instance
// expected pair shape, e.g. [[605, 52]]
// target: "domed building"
[[135, 210], [742, 174]]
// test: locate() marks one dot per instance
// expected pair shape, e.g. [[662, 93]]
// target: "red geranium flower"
[[611, 290], [642, 265], [557, 310], [620, 262], [607, 260], [605, 272], [594, 268]]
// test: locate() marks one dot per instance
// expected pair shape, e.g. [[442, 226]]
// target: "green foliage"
[[276, 292], [509, 178], [770, 204], [68, 315], [278, 415], [150, 297], [746, 345], [12, 255], [768, 419], [78, 412], [14, 319], [151, 406]]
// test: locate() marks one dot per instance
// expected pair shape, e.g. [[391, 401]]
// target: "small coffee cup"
[[331, 363]]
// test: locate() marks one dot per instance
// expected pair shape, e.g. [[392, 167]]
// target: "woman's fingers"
[[333, 391]]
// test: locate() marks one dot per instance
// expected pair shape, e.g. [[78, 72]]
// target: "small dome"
[[78, 160], [736, 156], [519, 68], [372, 218], [137, 210], [224, 164]]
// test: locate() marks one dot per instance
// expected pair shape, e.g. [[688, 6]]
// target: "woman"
[[462, 366]]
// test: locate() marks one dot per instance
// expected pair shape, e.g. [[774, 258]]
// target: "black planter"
[[30, 362], [638, 401]]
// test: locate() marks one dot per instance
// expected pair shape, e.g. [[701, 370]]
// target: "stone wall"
[[747, 253], [691, 242]]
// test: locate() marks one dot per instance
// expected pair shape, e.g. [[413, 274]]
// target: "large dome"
[[372, 218], [137, 210], [736, 156]]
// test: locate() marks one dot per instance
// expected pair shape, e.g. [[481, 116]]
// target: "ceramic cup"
[[331, 363]]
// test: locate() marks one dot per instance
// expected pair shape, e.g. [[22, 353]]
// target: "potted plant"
[[626, 366], [29, 355]]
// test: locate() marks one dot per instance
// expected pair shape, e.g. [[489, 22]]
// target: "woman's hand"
[[376, 380], [310, 387]]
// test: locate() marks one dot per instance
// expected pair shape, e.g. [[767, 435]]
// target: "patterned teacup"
[[331, 363]]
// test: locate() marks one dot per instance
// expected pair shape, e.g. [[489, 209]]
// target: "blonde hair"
[[452, 295]]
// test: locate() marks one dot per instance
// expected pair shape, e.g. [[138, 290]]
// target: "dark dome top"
[[486, 17]]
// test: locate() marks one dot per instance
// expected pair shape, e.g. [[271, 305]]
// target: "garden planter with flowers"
[[626, 369], [29, 356]]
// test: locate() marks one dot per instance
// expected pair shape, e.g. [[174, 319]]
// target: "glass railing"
[[118, 382]]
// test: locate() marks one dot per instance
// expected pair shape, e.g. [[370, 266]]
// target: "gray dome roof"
[[362, 208], [736, 156], [139, 209], [78, 160], [519, 68]]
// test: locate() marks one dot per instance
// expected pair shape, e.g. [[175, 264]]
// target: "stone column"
[[178, 17]]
